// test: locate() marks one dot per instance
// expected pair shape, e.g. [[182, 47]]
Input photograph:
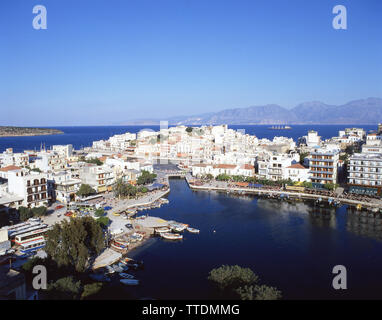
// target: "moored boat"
[[171, 236], [130, 282], [178, 227], [162, 229], [126, 275], [192, 230]]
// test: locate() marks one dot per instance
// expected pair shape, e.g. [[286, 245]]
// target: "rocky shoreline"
[[23, 131]]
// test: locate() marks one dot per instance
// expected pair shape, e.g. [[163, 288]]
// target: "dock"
[[106, 258]]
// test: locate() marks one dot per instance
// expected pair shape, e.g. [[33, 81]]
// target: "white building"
[[100, 178], [32, 187], [297, 172], [64, 186], [365, 173], [65, 151], [274, 166], [9, 158]]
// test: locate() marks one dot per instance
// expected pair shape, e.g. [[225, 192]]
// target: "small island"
[[6, 131]]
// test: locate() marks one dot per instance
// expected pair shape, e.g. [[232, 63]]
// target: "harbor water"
[[291, 246]]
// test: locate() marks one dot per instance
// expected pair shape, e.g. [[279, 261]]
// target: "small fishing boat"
[[137, 236], [178, 227], [162, 229], [123, 266], [109, 270], [130, 282], [171, 236], [117, 268], [126, 275], [192, 230]]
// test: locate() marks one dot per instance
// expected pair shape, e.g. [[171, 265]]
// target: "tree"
[[91, 290], [100, 212], [209, 176], [143, 189], [223, 177], [119, 188], [238, 282], [39, 211], [232, 276], [303, 156], [85, 190], [64, 288], [330, 186], [25, 213], [103, 222], [189, 129], [267, 293], [96, 161], [75, 242], [146, 177]]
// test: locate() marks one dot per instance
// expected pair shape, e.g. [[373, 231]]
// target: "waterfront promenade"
[[223, 187]]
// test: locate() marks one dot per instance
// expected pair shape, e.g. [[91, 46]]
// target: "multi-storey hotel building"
[[365, 173], [323, 166]]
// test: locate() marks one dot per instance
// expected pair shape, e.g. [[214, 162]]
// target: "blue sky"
[[104, 62]]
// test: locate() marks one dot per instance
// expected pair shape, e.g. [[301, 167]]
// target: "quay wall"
[[279, 192]]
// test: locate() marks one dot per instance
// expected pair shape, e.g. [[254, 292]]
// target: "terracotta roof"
[[225, 166], [247, 166], [297, 166], [9, 168], [200, 165]]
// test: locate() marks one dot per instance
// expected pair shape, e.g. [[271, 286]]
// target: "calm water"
[[84, 136], [290, 246]]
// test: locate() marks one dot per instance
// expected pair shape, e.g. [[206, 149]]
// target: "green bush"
[[91, 290]]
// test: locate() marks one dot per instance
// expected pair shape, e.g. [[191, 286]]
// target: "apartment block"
[[365, 173], [323, 165]]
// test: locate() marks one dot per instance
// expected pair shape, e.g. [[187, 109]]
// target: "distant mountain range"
[[363, 111]]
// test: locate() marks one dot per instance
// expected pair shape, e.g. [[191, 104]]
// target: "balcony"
[[321, 166]]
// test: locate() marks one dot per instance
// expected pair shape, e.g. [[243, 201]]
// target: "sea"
[[84, 136], [291, 246]]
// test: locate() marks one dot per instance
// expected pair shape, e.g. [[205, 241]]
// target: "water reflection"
[[364, 223]]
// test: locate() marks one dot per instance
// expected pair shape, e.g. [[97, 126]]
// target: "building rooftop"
[[297, 166], [10, 168]]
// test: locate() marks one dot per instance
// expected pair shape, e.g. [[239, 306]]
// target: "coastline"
[[31, 135], [297, 195]]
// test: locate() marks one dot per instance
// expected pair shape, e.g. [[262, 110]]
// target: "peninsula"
[[6, 131]]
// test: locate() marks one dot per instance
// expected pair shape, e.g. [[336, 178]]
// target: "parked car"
[[129, 226], [68, 214], [59, 207]]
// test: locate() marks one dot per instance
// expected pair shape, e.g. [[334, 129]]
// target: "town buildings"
[[323, 165]]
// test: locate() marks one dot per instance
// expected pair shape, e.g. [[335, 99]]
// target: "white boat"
[[171, 236], [193, 230], [130, 282], [110, 269], [126, 275], [117, 268], [178, 227], [137, 236], [162, 229]]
